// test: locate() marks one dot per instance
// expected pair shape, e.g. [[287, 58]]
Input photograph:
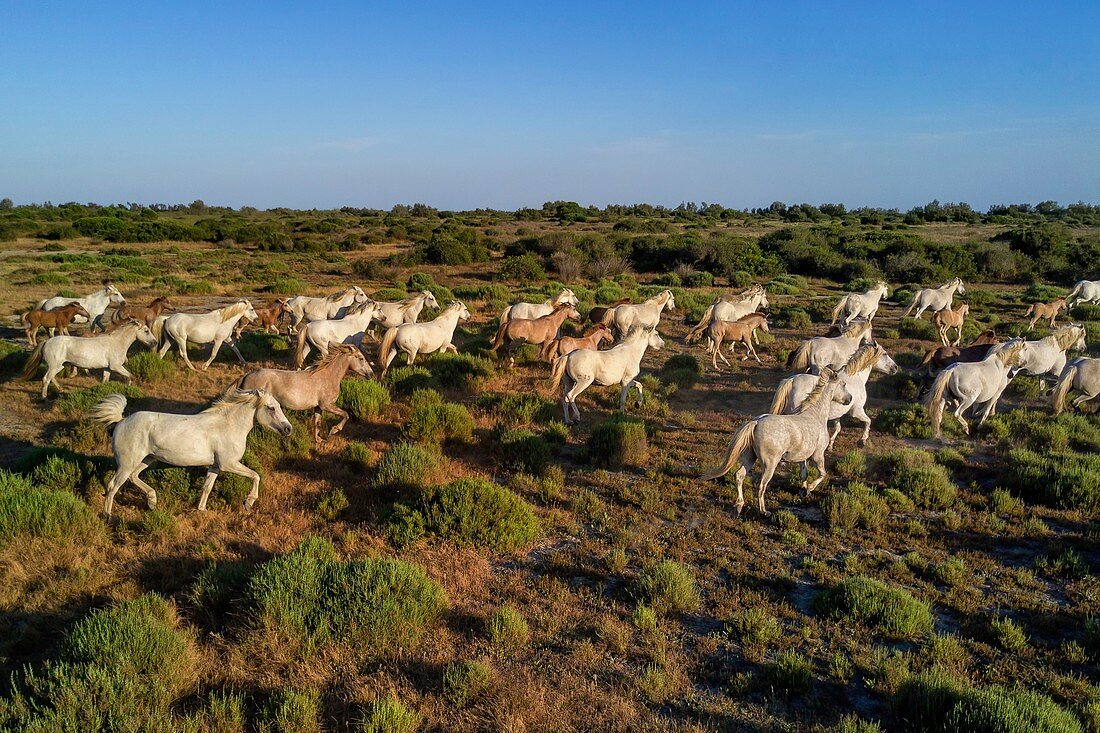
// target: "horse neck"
[[123, 337], [238, 419], [819, 411], [448, 317], [335, 369], [415, 307], [559, 317]]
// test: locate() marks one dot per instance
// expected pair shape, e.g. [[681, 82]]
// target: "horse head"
[[357, 361], [144, 334], [269, 413], [429, 299], [884, 363], [654, 339], [670, 300], [831, 378], [461, 309], [959, 284], [113, 295]]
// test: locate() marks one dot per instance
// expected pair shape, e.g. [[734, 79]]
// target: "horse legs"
[[107, 374], [181, 345], [964, 405], [450, 347], [859, 414], [233, 345], [336, 411], [317, 425], [125, 472], [765, 479], [819, 463], [51, 373], [752, 351], [626, 391], [207, 484], [242, 470], [570, 397], [739, 479], [150, 492], [832, 437], [715, 353]]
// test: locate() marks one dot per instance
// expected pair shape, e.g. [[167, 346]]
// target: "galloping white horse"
[[95, 303], [935, 298], [577, 370], [215, 327], [404, 311], [646, 314], [794, 390], [973, 383], [730, 308], [423, 338], [106, 352], [1081, 374], [347, 330], [1046, 358], [829, 351], [772, 439], [310, 308], [538, 310], [1085, 291], [215, 437], [860, 305]]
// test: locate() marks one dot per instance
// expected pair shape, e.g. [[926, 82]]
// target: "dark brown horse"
[[603, 313], [144, 313], [56, 320], [944, 356]]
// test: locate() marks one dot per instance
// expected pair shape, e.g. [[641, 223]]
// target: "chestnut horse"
[[1048, 311], [740, 331], [57, 320], [947, 318], [944, 356], [517, 331], [144, 313], [591, 339]]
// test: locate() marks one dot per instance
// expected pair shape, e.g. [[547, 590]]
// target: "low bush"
[[618, 441], [287, 286], [668, 586], [79, 401], [268, 446], [292, 711], [364, 399], [460, 371], [506, 627], [27, 510], [790, 673], [683, 370], [891, 612], [406, 466], [434, 421], [852, 465], [405, 380], [147, 367], [520, 449], [857, 505], [357, 454], [463, 681], [916, 474], [521, 408], [58, 473], [755, 627], [1062, 479], [904, 421], [218, 589], [389, 715], [1008, 634], [331, 503]]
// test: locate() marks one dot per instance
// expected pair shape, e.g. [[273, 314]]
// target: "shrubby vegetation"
[[892, 612]]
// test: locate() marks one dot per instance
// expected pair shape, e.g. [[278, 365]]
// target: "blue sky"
[[501, 105]]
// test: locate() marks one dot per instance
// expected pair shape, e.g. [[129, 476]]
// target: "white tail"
[[838, 310], [936, 400], [782, 397], [743, 441], [109, 410], [1065, 384]]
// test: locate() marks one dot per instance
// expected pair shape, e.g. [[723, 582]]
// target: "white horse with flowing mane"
[[538, 310], [1046, 358], [646, 314], [935, 298], [1081, 374], [793, 391], [215, 437], [860, 305], [730, 308], [347, 330], [797, 438], [215, 327], [408, 310], [311, 308], [829, 351], [973, 383], [423, 338], [95, 303], [106, 351], [1085, 291]]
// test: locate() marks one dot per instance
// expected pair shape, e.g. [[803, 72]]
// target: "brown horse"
[[947, 318], [57, 320], [1049, 311], [740, 331], [591, 339], [268, 318], [604, 313], [944, 356], [144, 313], [517, 331], [316, 388]]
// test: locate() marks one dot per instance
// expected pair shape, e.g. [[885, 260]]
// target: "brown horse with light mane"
[[947, 318], [591, 339], [1049, 311], [516, 331], [57, 320], [144, 313], [740, 331]]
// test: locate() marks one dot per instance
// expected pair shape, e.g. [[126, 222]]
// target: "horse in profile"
[[95, 304], [1081, 374], [267, 317], [106, 351], [800, 437], [311, 308], [56, 321], [517, 331], [741, 331], [970, 384], [1048, 311], [1046, 357], [935, 298], [423, 338], [730, 308], [563, 345], [316, 388], [945, 356], [347, 330], [215, 438], [860, 305], [793, 391], [948, 318], [1085, 291], [620, 364], [391, 315], [829, 351], [215, 327], [147, 314], [646, 314], [538, 310], [605, 313]]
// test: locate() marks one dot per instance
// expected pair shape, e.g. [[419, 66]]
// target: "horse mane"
[[864, 358], [235, 309], [858, 329], [1006, 351], [756, 314], [335, 351], [816, 393], [1065, 336], [359, 307], [597, 327], [336, 296], [234, 397]]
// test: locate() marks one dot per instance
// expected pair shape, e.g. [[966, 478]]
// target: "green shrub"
[[952, 572], [525, 268], [331, 503], [683, 370], [223, 713], [855, 724], [268, 446], [1001, 710], [433, 421], [618, 441], [1008, 634], [790, 673], [857, 505], [892, 612], [913, 328], [156, 523], [79, 401], [904, 421], [923, 702], [389, 715], [405, 380], [669, 586], [357, 454], [463, 681], [917, 475], [292, 711], [50, 278], [460, 371], [287, 286], [520, 449], [852, 465], [520, 408], [28, 510], [1062, 479], [506, 627], [58, 473], [406, 465], [218, 588], [146, 366], [755, 627], [363, 398]]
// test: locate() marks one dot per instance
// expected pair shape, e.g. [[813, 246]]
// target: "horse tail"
[[782, 397], [912, 304], [300, 353], [109, 410], [498, 340], [936, 398], [1030, 310], [1073, 294], [24, 318], [506, 315], [743, 440], [548, 348], [838, 310], [557, 371], [386, 347], [158, 327], [698, 328], [33, 361], [1065, 383], [799, 359]]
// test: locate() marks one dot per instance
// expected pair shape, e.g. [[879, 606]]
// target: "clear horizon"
[[498, 107]]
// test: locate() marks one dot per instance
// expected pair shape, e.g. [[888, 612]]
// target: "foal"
[[517, 331], [591, 339], [57, 320], [144, 313], [267, 318], [947, 318], [740, 331], [1049, 311]]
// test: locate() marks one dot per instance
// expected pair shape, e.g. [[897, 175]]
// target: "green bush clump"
[[683, 370], [524, 268], [917, 475], [669, 586], [618, 441], [287, 286], [520, 449], [219, 588], [465, 680], [406, 465], [331, 503], [404, 380], [755, 627], [918, 328], [469, 511], [433, 421], [520, 408], [79, 401], [58, 473], [363, 398], [357, 454], [269, 446], [904, 421], [892, 612], [507, 627], [313, 600], [146, 366], [26, 509], [1062, 479], [790, 673], [460, 371], [857, 505], [292, 711], [389, 715]]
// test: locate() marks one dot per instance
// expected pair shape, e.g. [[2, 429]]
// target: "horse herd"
[[800, 426]]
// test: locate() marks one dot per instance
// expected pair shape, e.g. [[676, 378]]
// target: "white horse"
[[829, 351], [215, 437], [577, 370], [730, 308], [347, 330], [423, 338], [310, 308], [1046, 358], [973, 383], [935, 298], [95, 303], [794, 390], [772, 439], [538, 310], [646, 314], [860, 305], [404, 311], [106, 351], [215, 327], [1081, 374], [1085, 291]]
